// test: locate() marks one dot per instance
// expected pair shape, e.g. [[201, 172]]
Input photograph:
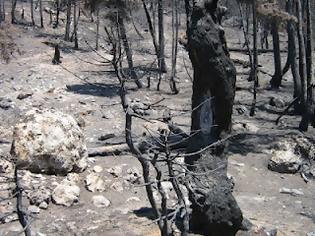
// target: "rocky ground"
[[106, 199]]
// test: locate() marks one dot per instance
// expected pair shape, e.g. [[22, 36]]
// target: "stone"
[[117, 186], [285, 160], [74, 177], [6, 103], [22, 96], [310, 234], [100, 201], [133, 176], [294, 192], [49, 141], [33, 209], [39, 196], [97, 169], [133, 199], [43, 205], [66, 193], [276, 102], [115, 171], [94, 182]]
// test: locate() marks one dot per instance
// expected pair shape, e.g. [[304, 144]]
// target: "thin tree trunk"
[[32, 12], [302, 68], [309, 67], [57, 13], [13, 19], [67, 33], [277, 77], [97, 27], [75, 24], [174, 45], [162, 65], [292, 60], [153, 10], [41, 13], [1, 14], [151, 29], [255, 58], [128, 51]]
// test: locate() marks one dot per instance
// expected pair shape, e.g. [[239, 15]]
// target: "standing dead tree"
[[214, 209]]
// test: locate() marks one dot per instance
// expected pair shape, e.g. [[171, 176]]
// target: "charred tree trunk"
[[128, 51], [75, 25], [1, 13], [97, 27], [32, 12], [57, 13], [277, 77], [67, 33], [302, 68], [309, 62], [13, 19], [174, 46], [41, 13], [292, 60], [162, 65], [214, 209], [151, 29], [255, 57]]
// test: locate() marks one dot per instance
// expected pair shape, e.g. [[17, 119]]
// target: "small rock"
[[117, 186], [100, 201], [66, 193], [310, 234], [276, 102], [74, 177], [294, 192], [5, 103], [97, 169], [22, 96], [43, 205], [39, 196], [33, 209], [133, 199], [133, 176], [285, 160], [94, 183], [40, 234], [115, 171]]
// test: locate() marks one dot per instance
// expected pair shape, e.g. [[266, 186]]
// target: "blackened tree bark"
[[57, 13], [41, 14], [67, 33], [75, 24], [309, 62], [97, 27], [162, 65], [32, 12], [255, 58], [277, 77], [13, 19], [174, 45], [302, 68], [214, 210], [128, 50], [151, 29], [1, 13]]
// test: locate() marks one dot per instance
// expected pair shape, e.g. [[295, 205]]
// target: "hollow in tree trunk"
[[214, 210]]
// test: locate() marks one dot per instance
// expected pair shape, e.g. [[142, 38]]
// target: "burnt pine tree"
[[13, 19], [162, 65], [214, 210], [67, 32], [32, 11]]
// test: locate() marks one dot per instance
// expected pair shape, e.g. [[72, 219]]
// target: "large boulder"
[[49, 141]]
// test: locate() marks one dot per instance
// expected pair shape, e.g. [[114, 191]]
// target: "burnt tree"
[[214, 210]]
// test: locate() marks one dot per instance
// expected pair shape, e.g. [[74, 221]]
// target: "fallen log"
[[108, 150]]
